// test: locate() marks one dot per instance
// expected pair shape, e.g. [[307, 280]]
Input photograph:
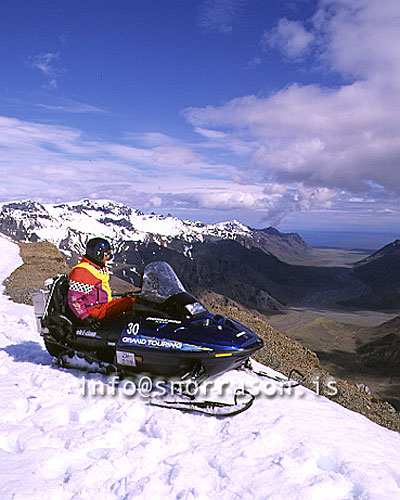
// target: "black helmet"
[[96, 248]]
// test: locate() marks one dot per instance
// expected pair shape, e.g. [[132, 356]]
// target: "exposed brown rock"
[[42, 260]]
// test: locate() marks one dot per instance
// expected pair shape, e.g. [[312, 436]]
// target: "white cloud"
[[52, 84], [220, 15], [160, 156], [69, 106], [179, 156], [217, 139], [360, 37], [290, 37], [45, 63], [150, 139], [341, 138], [253, 63], [55, 164], [49, 64], [37, 159]]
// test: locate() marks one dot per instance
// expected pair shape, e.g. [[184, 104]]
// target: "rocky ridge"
[[69, 225]]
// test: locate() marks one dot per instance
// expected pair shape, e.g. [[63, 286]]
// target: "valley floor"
[[334, 336], [331, 257]]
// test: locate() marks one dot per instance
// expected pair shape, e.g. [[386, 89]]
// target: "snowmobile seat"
[[59, 318], [60, 296]]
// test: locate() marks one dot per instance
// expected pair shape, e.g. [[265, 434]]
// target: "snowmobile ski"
[[288, 383], [217, 409]]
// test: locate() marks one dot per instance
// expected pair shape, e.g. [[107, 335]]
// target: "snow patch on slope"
[[56, 444]]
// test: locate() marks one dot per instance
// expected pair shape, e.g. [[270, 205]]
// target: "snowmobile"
[[168, 333]]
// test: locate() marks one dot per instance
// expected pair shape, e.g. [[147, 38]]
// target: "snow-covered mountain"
[[251, 266], [56, 443], [69, 225]]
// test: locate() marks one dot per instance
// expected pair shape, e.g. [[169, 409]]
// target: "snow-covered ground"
[[57, 444]]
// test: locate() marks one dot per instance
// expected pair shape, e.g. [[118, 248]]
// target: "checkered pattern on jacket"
[[80, 287]]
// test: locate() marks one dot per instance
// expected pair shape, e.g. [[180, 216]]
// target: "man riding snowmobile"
[[89, 294]]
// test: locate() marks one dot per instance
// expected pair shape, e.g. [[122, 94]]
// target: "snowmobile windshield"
[[160, 282]]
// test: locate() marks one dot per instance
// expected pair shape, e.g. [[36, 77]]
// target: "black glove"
[[92, 323]]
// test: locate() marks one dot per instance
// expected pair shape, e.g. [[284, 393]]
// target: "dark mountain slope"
[[288, 247], [250, 276], [383, 352], [380, 272]]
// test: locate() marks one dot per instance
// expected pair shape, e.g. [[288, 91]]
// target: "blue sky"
[[273, 112]]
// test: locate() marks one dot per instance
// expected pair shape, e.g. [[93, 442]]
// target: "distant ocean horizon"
[[348, 239]]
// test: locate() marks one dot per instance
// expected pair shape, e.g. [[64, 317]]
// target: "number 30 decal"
[[133, 329]]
